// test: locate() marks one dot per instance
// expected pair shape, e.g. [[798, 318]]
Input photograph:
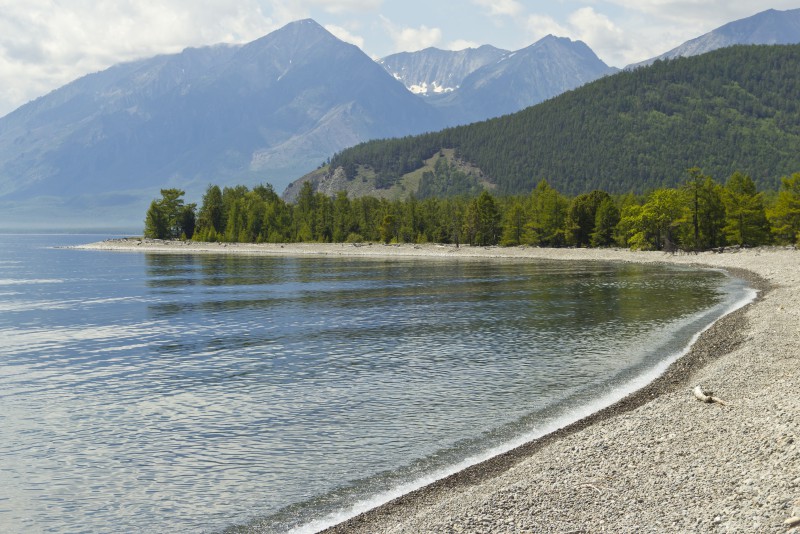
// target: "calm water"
[[148, 393]]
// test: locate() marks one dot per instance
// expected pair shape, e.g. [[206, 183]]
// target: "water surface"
[[184, 393]]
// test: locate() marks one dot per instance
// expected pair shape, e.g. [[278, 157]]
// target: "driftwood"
[[707, 396]]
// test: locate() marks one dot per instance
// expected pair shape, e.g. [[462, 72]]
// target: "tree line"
[[699, 214]]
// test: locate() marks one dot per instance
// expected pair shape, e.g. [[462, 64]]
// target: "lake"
[[146, 393]]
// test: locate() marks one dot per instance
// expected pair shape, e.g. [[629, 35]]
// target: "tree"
[[705, 214], [785, 215], [746, 220], [209, 220], [156, 225], [547, 210], [605, 222], [389, 228], [514, 223], [482, 221], [652, 225], [581, 217], [187, 221], [342, 217], [168, 217]]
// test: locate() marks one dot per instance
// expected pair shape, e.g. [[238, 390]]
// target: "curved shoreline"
[[673, 378], [687, 466]]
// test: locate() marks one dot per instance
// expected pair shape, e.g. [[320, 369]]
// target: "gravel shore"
[[657, 461]]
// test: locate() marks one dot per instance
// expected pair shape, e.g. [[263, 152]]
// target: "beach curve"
[[657, 461]]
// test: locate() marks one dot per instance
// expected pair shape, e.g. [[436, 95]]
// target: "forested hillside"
[[733, 109]]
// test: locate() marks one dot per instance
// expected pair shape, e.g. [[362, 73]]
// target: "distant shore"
[[657, 461]]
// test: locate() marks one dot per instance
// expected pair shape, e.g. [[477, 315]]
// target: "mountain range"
[[733, 109], [99, 148], [477, 84], [102, 146]]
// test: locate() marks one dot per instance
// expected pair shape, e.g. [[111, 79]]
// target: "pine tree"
[[785, 215]]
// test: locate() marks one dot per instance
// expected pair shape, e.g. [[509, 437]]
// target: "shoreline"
[[681, 447]]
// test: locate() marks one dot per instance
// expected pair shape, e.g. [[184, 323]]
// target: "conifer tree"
[[785, 215]]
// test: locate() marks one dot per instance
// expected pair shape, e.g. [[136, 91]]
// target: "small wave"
[[29, 281], [566, 418]]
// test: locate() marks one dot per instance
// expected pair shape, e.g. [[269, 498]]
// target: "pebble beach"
[[660, 460]]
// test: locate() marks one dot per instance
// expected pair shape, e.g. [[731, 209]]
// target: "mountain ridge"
[[183, 120], [766, 27], [729, 110]]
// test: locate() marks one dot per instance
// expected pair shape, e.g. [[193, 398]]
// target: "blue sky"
[[45, 44]]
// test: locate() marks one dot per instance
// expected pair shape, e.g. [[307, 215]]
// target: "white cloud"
[[655, 26], [342, 6], [46, 44], [509, 8], [598, 31], [345, 35], [607, 39], [461, 44], [541, 25], [412, 39]]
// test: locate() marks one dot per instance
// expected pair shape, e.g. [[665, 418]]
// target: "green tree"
[[156, 225], [390, 228], [705, 214], [785, 215], [746, 219], [168, 217], [514, 222], [342, 217], [581, 217], [652, 226], [187, 221], [547, 211], [605, 222], [482, 221], [209, 219]]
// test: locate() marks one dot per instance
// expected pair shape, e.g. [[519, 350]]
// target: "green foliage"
[[652, 226], [447, 181], [156, 225], [737, 108], [746, 219], [548, 212], [169, 218], [482, 221], [705, 215], [605, 223], [210, 219], [697, 215], [785, 215], [582, 216]]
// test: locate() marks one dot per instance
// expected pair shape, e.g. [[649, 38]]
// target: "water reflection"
[[191, 393]]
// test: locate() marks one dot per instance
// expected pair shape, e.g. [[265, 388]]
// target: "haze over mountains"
[[768, 27], [96, 151], [104, 144]]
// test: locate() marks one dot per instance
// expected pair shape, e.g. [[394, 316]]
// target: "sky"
[[45, 44]]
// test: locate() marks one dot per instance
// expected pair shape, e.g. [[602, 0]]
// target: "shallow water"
[[188, 393]]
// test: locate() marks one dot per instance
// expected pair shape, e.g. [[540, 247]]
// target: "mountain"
[[727, 110], [434, 71], [481, 83], [100, 147], [768, 27], [523, 78]]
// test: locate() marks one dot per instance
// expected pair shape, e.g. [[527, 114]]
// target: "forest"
[[699, 213], [737, 108]]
